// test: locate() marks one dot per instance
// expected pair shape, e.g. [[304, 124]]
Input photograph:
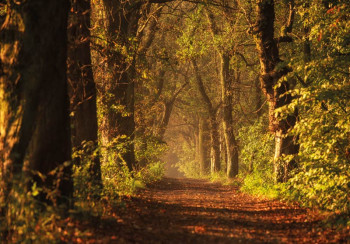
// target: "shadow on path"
[[197, 211]]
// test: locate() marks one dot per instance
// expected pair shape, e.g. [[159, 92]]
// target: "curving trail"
[[196, 211]]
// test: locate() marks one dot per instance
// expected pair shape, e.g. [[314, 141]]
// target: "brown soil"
[[197, 211]]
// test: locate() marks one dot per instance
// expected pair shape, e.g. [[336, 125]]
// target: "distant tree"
[[213, 120], [203, 146], [226, 82]]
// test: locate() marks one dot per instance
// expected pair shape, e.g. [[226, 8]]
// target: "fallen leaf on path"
[[199, 229]]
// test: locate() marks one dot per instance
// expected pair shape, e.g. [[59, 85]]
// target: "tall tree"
[[203, 145], [121, 20], [34, 101], [82, 87], [272, 70], [213, 120], [226, 81], [226, 94]]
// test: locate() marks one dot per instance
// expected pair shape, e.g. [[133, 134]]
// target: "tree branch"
[[201, 85], [245, 60], [288, 27], [284, 39], [289, 24], [179, 91]]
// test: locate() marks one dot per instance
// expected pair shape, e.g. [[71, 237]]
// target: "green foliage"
[[85, 186], [116, 176], [260, 183], [118, 180], [153, 172], [326, 187], [257, 148], [256, 155], [188, 164], [323, 178], [148, 149], [28, 220], [218, 177], [193, 45], [189, 168]]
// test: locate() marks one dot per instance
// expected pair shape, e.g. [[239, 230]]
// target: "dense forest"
[[100, 99]]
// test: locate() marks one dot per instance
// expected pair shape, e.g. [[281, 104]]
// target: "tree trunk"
[[227, 96], [82, 87], [284, 145], [230, 140], [267, 47], [215, 143], [14, 134], [214, 126], [203, 145], [35, 118], [168, 108], [223, 150], [259, 104], [118, 90]]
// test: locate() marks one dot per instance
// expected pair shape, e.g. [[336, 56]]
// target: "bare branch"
[[201, 85], [284, 39], [245, 60], [289, 24]]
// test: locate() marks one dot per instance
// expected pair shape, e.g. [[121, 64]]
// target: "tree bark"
[[270, 74], [259, 104], [230, 140], [203, 147], [227, 97], [214, 126], [121, 26], [35, 119], [215, 143], [15, 135], [82, 87]]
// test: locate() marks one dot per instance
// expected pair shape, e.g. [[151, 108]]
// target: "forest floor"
[[197, 211]]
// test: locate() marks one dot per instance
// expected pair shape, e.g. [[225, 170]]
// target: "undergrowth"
[[29, 220]]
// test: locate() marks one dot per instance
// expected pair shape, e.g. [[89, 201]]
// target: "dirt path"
[[196, 211]]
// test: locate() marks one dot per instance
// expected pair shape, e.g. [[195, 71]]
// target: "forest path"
[[197, 211]]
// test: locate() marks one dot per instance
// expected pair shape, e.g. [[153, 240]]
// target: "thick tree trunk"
[[51, 145], [15, 134], [230, 140], [35, 116], [267, 47], [203, 147], [82, 87], [284, 145], [121, 26]]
